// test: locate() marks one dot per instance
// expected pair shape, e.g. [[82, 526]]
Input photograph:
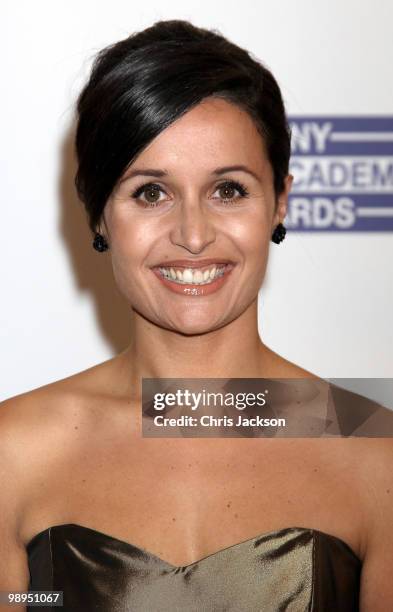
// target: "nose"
[[193, 227]]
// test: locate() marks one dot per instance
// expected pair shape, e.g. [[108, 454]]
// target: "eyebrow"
[[158, 173]]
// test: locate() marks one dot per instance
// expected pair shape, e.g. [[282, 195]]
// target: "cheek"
[[130, 240], [252, 237], [129, 248]]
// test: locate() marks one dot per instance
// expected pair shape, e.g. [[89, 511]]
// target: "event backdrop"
[[327, 299]]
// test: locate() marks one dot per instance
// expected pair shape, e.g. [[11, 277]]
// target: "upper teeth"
[[193, 275]]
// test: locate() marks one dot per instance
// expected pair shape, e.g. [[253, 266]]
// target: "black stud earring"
[[99, 243], [279, 233]]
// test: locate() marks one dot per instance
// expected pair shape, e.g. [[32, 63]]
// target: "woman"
[[183, 149]]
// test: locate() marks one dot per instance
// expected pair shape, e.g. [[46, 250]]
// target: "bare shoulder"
[[56, 397], [375, 456], [24, 416], [38, 442], [359, 416], [24, 442], [365, 454], [31, 424], [374, 460], [279, 367], [38, 426]]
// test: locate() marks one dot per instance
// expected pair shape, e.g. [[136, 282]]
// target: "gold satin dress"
[[294, 569]]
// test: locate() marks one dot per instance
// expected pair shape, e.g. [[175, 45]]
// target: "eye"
[[227, 190], [151, 191]]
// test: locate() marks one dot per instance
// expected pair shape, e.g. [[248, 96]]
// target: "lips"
[[192, 263], [179, 278]]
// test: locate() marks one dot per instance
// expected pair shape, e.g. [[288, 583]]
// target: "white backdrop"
[[327, 301]]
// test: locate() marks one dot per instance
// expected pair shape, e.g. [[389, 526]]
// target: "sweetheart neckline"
[[37, 536]]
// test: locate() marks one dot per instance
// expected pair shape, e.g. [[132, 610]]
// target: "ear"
[[282, 201]]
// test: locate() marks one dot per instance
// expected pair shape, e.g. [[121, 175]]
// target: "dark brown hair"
[[140, 85]]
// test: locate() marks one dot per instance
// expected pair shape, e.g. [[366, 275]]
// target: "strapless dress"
[[294, 569]]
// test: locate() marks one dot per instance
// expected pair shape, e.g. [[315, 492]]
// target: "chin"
[[195, 331], [193, 328]]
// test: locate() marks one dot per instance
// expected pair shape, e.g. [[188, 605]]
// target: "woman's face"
[[181, 211]]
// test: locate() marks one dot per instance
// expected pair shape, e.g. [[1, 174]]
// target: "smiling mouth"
[[194, 281], [193, 276]]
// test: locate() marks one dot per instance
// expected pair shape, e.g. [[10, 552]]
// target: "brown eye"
[[231, 192], [151, 191], [227, 192], [152, 194]]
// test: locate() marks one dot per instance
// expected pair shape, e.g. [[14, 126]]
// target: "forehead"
[[215, 132]]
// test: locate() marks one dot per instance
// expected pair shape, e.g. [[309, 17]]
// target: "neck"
[[233, 351]]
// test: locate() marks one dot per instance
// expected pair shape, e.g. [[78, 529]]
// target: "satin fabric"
[[293, 569]]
